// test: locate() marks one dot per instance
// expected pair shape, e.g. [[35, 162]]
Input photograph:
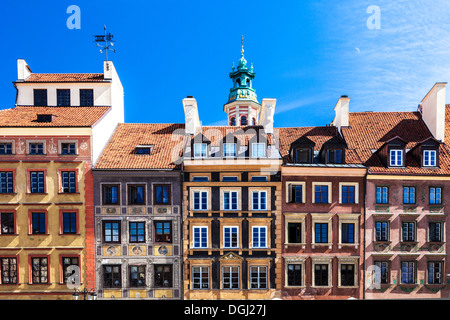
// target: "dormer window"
[[200, 150], [44, 118], [429, 158], [258, 150], [229, 149], [144, 149], [334, 156], [396, 157], [302, 155]]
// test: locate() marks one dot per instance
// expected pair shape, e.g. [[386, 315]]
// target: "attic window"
[[144, 149], [44, 118], [334, 156], [396, 157]]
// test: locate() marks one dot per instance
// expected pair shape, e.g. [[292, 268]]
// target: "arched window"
[[243, 121], [238, 81], [253, 122], [233, 122]]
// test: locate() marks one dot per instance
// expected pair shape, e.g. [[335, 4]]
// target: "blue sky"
[[306, 54]]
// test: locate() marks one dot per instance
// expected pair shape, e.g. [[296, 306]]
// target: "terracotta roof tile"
[[167, 139], [65, 77], [63, 116]]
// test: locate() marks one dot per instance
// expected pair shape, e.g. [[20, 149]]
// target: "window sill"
[[348, 287], [37, 193], [69, 193], [329, 245], [8, 193], [70, 234], [322, 287], [294, 287], [38, 234], [340, 245]]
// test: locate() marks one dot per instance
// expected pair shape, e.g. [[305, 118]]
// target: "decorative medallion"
[[111, 250], [162, 250], [83, 146], [137, 250]]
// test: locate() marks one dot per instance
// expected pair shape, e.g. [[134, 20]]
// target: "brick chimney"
[[432, 108]]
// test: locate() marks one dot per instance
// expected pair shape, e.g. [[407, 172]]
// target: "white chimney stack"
[[193, 124], [267, 112], [23, 70], [341, 113], [433, 110]]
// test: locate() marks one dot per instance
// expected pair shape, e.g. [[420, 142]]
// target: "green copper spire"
[[242, 78]]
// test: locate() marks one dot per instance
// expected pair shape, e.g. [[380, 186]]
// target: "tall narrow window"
[[230, 237], [321, 232], [136, 194], [382, 195], [200, 277], [294, 274], [7, 223], [137, 276], [39, 270], [63, 97], [69, 222], [434, 272], [435, 195], [86, 97], [6, 182], [8, 270], [259, 236], [409, 195], [381, 274], [137, 231], [295, 193], [259, 200], [348, 194], [381, 231], [347, 275], [435, 231], [321, 274], [40, 97], [230, 277], [243, 121], [68, 182], [161, 194], [38, 223], [110, 194], [294, 232], [200, 200], [163, 276], [321, 194], [408, 231], [111, 231], [163, 231], [230, 200], [67, 263], [348, 233], [408, 272], [396, 157], [200, 237], [258, 277], [112, 276], [429, 158]]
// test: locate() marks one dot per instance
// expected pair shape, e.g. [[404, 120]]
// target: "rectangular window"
[[258, 179], [294, 232], [434, 272], [302, 155], [200, 277], [230, 179], [348, 233], [39, 270], [347, 275], [295, 193], [200, 200], [110, 194], [68, 148], [321, 274], [200, 150], [69, 222], [408, 272], [137, 276], [86, 97], [137, 231], [259, 236], [429, 158], [258, 150], [435, 231], [409, 195], [163, 231], [321, 194], [68, 264], [112, 276], [200, 237], [9, 270], [230, 237], [435, 195], [37, 184], [348, 194], [200, 179], [382, 195], [161, 194], [321, 232], [230, 200], [136, 194], [408, 231], [40, 97], [229, 149], [6, 182], [163, 276], [111, 231], [38, 223], [230, 277], [294, 274], [7, 222], [63, 97], [381, 274], [334, 156], [36, 148], [381, 231], [68, 182], [258, 277], [396, 158], [5, 148], [259, 200]]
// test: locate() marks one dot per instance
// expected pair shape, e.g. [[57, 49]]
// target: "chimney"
[[23, 70], [433, 110], [267, 112], [341, 113], [193, 124]]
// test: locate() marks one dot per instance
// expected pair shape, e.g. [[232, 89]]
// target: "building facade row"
[[91, 206]]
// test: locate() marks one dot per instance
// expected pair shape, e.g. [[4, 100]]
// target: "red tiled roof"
[[21, 116], [368, 131], [65, 77], [167, 139]]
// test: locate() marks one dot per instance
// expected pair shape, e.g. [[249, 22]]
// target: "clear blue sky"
[[306, 54]]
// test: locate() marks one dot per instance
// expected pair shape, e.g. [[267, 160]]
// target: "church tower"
[[242, 108]]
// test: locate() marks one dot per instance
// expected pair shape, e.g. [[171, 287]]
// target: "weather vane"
[[108, 42]]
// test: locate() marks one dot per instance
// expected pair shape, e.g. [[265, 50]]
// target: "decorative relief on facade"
[[136, 210], [52, 147], [114, 210]]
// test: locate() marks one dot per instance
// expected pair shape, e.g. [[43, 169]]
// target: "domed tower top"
[[242, 106]]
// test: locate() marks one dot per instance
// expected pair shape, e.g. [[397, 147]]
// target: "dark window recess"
[[294, 232], [163, 276], [112, 276], [40, 97], [136, 194], [38, 223], [347, 275], [302, 155], [163, 231], [68, 148], [161, 194], [5, 148], [6, 182], [7, 223], [110, 194], [334, 156], [36, 148], [137, 276], [63, 97], [86, 97], [68, 272], [37, 184], [321, 274], [69, 222], [137, 231]]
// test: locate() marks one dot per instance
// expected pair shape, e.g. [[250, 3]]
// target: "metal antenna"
[[108, 42]]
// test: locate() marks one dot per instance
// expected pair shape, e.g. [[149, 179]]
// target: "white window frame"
[[200, 279], [226, 152], [231, 232], [428, 163], [258, 279], [200, 228], [203, 152], [258, 204], [398, 155], [256, 150], [259, 246], [230, 200], [201, 193]]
